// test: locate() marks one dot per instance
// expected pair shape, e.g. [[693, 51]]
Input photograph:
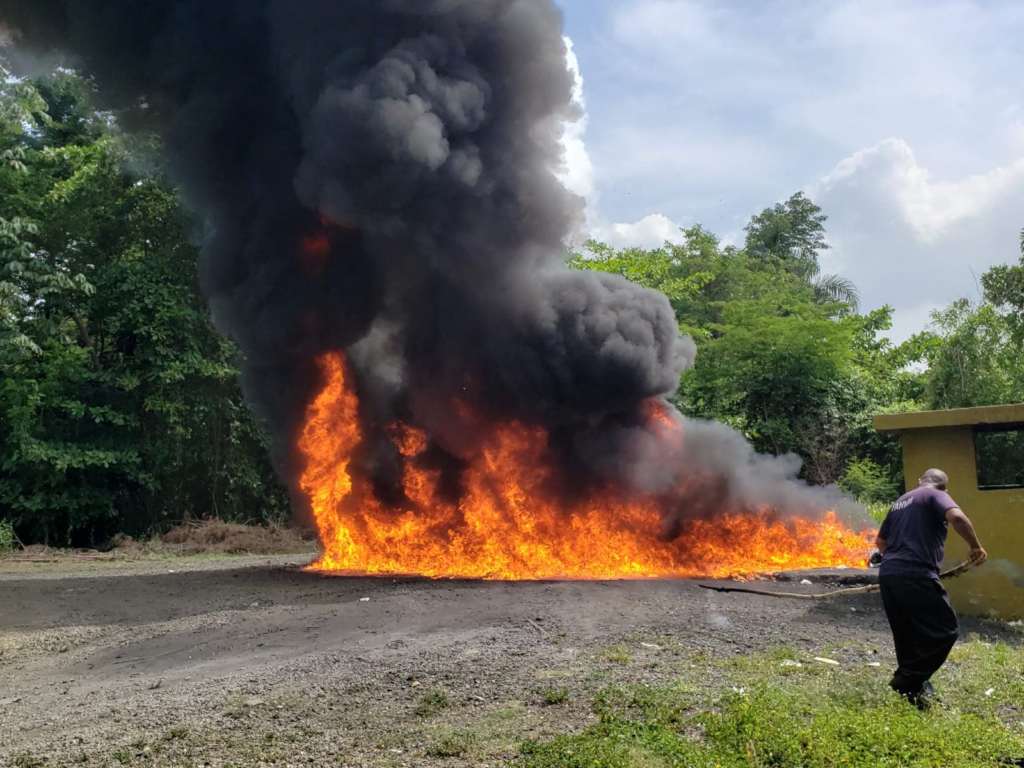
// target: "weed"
[[235, 708], [451, 744], [27, 760], [618, 653], [220, 538], [6, 537], [431, 704], [878, 510], [813, 717], [552, 697], [176, 734]]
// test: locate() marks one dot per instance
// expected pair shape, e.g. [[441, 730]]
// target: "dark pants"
[[924, 628]]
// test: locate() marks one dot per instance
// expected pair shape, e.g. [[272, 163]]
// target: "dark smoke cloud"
[[377, 176]]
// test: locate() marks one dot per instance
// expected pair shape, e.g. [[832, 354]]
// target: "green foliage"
[[783, 357], [120, 408], [451, 744], [778, 363], [878, 510], [791, 234], [979, 361], [977, 353], [432, 703], [780, 356], [659, 269], [619, 654], [552, 697], [869, 483], [808, 717], [6, 537]]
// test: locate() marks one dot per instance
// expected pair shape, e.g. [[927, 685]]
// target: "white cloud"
[[577, 173], [912, 241], [704, 111], [929, 207], [650, 232]]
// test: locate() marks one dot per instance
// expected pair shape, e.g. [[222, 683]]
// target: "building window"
[[1000, 457]]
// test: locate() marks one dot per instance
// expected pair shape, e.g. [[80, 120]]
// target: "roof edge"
[[957, 417]]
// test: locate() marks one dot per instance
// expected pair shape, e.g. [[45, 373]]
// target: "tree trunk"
[[85, 338]]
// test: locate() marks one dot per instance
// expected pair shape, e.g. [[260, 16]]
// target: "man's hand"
[[977, 555]]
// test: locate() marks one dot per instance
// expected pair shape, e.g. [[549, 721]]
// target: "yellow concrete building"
[[979, 448]]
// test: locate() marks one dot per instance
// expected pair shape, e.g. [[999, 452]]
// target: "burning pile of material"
[[385, 241]]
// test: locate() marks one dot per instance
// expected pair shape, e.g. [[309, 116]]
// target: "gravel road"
[[253, 662]]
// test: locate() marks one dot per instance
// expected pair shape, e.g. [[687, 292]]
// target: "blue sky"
[[903, 119]]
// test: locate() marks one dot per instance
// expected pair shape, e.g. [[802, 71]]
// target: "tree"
[[1004, 290], [781, 356], [120, 407], [660, 269], [792, 234], [776, 368], [979, 359]]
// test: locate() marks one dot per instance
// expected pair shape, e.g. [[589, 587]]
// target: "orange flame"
[[504, 527]]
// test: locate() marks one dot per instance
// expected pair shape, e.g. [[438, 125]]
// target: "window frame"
[[987, 429]]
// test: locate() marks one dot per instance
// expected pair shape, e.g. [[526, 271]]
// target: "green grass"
[[455, 743], [763, 714], [620, 654], [553, 697], [6, 537], [431, 704]]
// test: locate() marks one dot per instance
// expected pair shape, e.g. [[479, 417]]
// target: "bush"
[[869, 482], [6, 537], [554, 697], [431, 704], [878, 511]]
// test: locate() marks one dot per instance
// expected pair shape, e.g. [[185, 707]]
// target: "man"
[[912, 541]]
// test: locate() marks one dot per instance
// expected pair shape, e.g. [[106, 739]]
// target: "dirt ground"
[[253, 662]]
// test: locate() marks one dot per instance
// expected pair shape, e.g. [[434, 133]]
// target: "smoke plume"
[[379, 177]]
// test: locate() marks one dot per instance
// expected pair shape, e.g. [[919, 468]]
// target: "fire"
[[504, 526]]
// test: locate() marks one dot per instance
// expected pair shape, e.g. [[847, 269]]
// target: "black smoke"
[[378, 176]]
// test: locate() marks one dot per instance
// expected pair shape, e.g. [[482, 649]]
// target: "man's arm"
[[881, 543], [962, 525]]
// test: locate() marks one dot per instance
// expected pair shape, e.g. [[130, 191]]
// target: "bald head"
[[934, 478]]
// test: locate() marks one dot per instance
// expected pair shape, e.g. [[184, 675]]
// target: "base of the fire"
[[596, 548]]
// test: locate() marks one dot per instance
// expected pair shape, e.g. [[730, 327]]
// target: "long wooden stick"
[[960, 570]]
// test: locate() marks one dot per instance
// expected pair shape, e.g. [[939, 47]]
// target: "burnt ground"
[[251, 661]]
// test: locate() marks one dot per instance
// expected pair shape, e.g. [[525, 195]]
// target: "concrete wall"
[[997, 588]]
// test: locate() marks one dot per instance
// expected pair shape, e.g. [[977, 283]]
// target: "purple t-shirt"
[[915, 533]]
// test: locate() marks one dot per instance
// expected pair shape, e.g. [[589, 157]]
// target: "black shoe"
[[920, 700], [928, 692]]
